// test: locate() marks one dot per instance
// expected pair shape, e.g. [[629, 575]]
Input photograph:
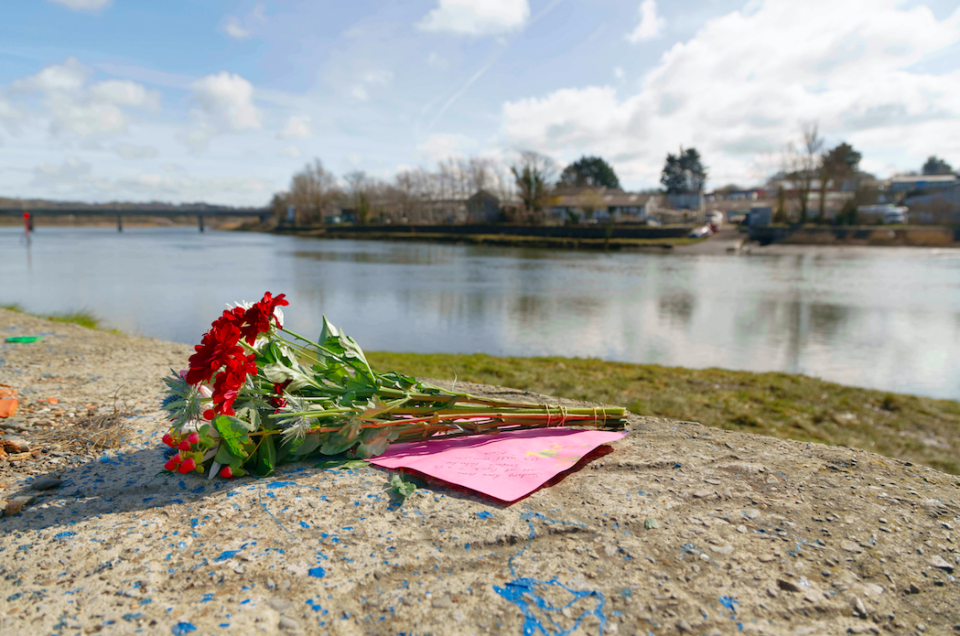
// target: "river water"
[[878, 317]]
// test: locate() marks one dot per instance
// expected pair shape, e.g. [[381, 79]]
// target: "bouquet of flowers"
[[257, 394]]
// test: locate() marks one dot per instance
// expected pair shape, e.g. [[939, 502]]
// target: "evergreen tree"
[[684, 172], [589, 172]]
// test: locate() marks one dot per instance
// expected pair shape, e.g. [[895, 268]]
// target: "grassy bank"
[[917, 429], [83, 317], [501, 240]]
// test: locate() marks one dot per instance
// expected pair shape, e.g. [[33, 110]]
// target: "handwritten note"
[[507, 466]]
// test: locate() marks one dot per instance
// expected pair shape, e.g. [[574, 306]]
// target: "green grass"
[[83, 317], [918, 429]]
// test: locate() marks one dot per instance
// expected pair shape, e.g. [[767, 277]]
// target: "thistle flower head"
[[182, 402]]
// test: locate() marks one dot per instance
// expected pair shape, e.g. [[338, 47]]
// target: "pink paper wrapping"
[[507, 466]]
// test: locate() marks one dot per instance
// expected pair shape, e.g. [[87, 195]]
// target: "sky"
[[216, 101]]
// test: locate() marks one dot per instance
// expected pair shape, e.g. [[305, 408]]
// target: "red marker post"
[[27, 225]]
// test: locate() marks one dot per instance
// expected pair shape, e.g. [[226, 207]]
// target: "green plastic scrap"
[[650, 523], [25, 339]]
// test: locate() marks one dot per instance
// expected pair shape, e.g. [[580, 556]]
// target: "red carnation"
[[229, 381], [217, 347], [258, 318]]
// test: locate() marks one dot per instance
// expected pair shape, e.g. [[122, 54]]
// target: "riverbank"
[[680, 528]]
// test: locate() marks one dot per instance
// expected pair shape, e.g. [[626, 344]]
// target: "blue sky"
[[187, 100]]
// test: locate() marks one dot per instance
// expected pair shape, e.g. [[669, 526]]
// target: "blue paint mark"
[[131, 617], [104, 459], [522, 591], [281, 484], [484, 515], [182, 629], [313, 605], [176, 501], [317, 572], [226, 554], [466, 547], [207, 598], [65, 535], [728, 602], [304, 524]]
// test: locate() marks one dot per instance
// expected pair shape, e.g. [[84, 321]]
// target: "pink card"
[[507, 466]]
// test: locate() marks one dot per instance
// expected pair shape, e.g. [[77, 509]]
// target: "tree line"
[[418, 195]]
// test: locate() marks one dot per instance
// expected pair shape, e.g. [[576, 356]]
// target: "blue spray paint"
[[182, 629], [522, 592]]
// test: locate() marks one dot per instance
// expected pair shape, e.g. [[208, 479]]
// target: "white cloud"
[[130, 151], [77, 109], [83, 5], [291, 151], [650, 24], [69, 76], [377, 78], [618, 72], [125, 93], [199, 137], [443, 146], [298, 127], [476, 17], [436, 61], [234, 29], [8, 112], [227, 99], [71, 169], [716, 92]]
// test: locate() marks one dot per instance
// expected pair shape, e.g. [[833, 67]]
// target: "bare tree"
[[358, 186], [313, 192], [534, 175], [802, 165]]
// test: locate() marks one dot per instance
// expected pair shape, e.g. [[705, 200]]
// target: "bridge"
[[201, 213]]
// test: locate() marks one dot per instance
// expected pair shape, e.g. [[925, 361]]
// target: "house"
[[686, 201], [923, 183], [483, 207], [602, 204], [941, 206]]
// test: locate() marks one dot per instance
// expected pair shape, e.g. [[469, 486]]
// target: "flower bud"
[[194, 438], [185, 446], [226, 473], [186, 466], [168, 440]]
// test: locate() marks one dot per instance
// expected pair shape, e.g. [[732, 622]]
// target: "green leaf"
[[329, 331], [224, 456], [342, 440], [266, 457], [401, 486], [305, 446], [234, 433], [342, 464], [373, 441]]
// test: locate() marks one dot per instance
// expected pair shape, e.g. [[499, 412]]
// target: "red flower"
[[226, 472], [168, 440], [258, 318], [217, 347], [186, 466], [171, 464], [185, 446], [193, 438], [229, 381]]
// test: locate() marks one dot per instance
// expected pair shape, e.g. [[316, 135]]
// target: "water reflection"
[[883, 318]]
